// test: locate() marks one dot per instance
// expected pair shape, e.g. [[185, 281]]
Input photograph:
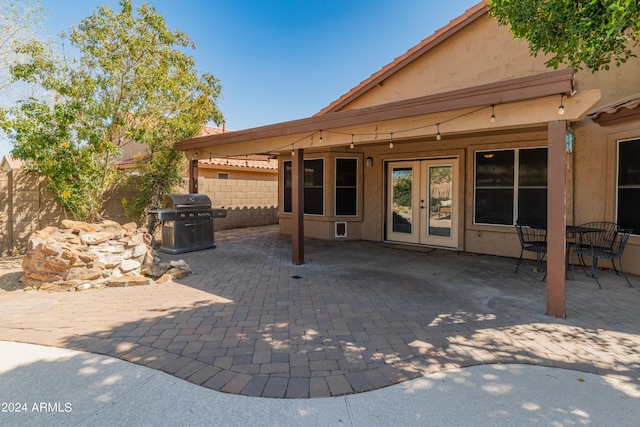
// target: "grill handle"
[[197, 206]]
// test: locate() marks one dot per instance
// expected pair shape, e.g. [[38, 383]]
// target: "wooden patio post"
[[193, 175], [297, 207], [556, 219]]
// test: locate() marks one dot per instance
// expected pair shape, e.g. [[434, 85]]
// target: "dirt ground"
[[10, 272]]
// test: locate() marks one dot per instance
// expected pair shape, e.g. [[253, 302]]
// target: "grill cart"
[[187, 222]]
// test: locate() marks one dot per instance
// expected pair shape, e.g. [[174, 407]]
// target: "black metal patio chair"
[[606, 243], [533, 238]]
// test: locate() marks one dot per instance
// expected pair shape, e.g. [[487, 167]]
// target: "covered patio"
[[530, 108]]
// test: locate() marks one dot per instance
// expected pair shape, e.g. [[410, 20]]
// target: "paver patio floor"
[[357, 316]]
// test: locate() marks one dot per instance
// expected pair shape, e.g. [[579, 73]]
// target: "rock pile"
[[78, 255]]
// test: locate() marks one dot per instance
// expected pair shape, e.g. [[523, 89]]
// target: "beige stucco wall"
[[481, 53], [484, 53]]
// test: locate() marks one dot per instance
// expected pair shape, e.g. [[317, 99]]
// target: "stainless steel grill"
[[187, 222]]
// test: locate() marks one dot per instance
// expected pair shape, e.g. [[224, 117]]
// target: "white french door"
[[422, 202]]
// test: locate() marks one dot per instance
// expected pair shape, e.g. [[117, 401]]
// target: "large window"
[[313, 186], [510, 185], [629, 185], [346, 187]]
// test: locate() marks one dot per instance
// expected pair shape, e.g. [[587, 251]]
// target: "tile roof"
[[254, 162], [212, 130], [630, 105], [415, 52], [11, 162], [139, 147], [618, 113]]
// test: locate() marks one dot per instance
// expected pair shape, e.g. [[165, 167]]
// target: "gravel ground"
[[11, 267]]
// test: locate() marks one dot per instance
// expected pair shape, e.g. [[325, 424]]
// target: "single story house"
[[453, 142]]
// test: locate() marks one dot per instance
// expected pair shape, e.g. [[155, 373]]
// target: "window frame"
[[355, 187], [627, 186], [516, 187], [284, 186]]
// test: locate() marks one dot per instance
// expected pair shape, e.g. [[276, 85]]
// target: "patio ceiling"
[[523, 102]]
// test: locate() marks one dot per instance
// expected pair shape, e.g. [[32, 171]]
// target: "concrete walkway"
[[58, 387], [356, 317]]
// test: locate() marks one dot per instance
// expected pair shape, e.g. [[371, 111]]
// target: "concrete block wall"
[[26, 206], [249, 203], [5, 236]]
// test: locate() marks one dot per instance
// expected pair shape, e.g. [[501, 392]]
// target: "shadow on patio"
[[357, 316]]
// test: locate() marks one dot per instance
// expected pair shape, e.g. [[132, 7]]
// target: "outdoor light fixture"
[[438, 136], [493, 114], [391, 140], [293, 151], [320, 136], [561, 106], [368, 162], [195, 155], [352, 145]]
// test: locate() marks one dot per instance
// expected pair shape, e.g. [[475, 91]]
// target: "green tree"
[[130, 80], [20, 21], [589, 34]]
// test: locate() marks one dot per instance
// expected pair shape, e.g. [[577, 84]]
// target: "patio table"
[[579, 231], [578, 243]]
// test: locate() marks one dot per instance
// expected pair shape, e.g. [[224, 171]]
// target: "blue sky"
[[281, 60]]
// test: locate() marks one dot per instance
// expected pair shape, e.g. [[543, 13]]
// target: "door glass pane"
[[402, 194], [440, 201]]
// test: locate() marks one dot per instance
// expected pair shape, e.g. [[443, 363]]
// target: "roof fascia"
[[521, 89]]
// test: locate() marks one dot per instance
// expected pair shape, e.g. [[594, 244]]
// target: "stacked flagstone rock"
[[78, 255]]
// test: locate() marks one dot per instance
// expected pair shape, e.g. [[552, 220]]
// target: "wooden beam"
[[520, 89], [556, 219], [297, 207], [193, 176]]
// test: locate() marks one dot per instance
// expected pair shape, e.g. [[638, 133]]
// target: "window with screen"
[[629, 185], [346, 187], [313, 186], [510, 185]]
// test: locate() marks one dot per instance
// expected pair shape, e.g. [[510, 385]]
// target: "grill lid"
[[186, 201]]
